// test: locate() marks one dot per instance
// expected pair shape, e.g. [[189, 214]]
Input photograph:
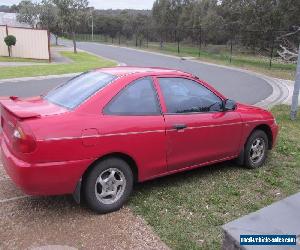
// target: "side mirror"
[[229, 105]]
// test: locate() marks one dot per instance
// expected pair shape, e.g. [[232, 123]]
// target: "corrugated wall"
[[3, 47], [31, 43]]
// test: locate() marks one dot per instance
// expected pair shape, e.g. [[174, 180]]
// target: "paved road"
[[29, 88], [237, 85]]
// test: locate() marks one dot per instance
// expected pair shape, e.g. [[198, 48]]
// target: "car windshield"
[[75, 91]]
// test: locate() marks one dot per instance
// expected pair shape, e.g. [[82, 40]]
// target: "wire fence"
[[255, 48]]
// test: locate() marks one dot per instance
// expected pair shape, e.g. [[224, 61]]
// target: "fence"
[[31, 43], [244, 47], [3, 47]]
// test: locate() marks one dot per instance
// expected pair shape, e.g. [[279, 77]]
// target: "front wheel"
[[256, 149], [108, 185]]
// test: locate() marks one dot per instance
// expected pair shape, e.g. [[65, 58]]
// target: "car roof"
[[125, 70]]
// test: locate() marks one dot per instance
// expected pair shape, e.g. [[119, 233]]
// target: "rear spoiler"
[[11, 105]]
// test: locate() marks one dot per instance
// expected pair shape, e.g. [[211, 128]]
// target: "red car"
[[105, 129]]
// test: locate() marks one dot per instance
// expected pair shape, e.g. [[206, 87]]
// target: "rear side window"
[[77, 90], [138, 98]]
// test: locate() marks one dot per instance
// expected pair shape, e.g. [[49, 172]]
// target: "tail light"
[[23, 140]]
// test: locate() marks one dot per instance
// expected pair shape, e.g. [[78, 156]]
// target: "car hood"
[[254, 112], [245, 107]]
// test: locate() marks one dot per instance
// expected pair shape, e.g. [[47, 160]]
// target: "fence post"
[[161, 40], [147, 37], [272, 51], [200, 37], [295, 99], [9, 49], [136, 40], [178, 44], [230, 50], [48, 33], [92, 27], [175, 38]]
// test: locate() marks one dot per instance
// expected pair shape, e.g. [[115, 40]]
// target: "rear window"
[[75, 91]]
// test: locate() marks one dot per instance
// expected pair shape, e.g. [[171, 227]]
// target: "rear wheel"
[[256, 149], [108, 185]]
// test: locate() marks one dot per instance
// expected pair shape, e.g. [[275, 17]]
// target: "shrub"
[[10, 40]]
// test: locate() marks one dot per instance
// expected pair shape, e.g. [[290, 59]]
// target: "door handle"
[[179, 126]]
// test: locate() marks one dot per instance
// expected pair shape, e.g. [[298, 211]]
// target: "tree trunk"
[[9, 54], [161, 44], [56, 40], [74, 42]]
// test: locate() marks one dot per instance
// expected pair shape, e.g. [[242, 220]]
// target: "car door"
[[198, 130], [133, 124]]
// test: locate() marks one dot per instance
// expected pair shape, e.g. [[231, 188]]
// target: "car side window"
[[138, 98], [184, 96]]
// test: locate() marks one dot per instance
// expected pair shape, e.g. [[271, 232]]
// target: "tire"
[[108, 185], [256, 149]]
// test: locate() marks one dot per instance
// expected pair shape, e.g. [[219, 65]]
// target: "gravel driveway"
[[59, 223]]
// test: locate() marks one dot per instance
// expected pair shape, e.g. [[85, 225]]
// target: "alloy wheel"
[[110, 186]]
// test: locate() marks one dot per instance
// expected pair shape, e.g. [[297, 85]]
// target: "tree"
[[28, 13], [71, 13], [162, 17], [288, 45], [48, 16], [10, 40], [14, 8], [251, 23], [8, 9]]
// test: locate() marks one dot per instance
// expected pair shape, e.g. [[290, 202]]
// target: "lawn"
[[187, 210], [13, 59], [82, 61]]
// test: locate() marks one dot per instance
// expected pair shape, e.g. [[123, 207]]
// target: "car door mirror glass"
[[229, 105]]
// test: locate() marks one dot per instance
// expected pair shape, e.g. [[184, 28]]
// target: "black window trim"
[[160, 113], [197, 81]]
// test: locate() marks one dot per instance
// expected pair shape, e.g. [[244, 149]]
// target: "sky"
[[105, 4]]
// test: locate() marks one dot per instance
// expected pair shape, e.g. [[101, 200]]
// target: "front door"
[[198, 130]]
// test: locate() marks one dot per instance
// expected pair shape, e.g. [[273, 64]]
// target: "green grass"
[[187, 210], [13, 59], [57, 46], [82, 61]]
